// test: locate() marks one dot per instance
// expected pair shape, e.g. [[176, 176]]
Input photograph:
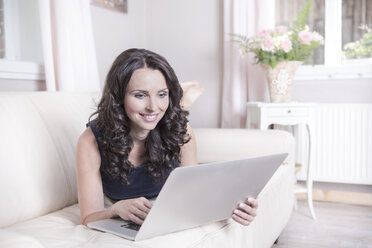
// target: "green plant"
[[361, 48]]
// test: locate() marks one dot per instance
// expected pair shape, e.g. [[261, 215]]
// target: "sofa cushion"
[[10, 239], [39, 132], [218, 144]]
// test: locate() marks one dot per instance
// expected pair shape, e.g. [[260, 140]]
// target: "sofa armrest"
[[218, 144], [9, 239]]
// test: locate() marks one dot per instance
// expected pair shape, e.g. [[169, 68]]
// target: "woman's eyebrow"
[[146, 91], [143, 91]]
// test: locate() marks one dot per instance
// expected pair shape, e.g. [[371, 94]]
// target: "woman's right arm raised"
[[90, 192]]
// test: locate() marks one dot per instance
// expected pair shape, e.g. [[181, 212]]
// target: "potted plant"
[[280, 51]]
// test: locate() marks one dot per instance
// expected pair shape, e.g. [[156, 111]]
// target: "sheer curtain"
[[243, 81], [68, 46]]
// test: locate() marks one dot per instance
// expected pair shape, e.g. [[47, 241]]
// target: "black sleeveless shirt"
[[141, 184]]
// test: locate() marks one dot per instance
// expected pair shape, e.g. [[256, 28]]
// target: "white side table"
[[261, 115]]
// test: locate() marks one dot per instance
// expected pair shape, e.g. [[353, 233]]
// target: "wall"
[[21, 85], [115, 32], [333, 91], [189, 35]]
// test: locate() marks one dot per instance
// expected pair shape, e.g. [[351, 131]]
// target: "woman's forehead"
[[147, 79]]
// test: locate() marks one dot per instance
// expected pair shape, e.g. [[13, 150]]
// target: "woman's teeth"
[[149, 117]]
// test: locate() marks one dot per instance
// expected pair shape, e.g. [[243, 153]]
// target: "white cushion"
[[10, 239], [39, 132]]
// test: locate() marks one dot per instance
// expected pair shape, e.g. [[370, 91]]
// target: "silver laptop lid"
[[200, 194]]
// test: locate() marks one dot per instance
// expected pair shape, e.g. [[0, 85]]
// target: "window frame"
[[11, 67]]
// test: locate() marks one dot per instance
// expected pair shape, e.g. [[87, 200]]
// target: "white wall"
[[21, 85], [115, 32], [333, 91], [189, 35]]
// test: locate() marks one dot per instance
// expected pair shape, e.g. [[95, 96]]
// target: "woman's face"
[[146, 99]]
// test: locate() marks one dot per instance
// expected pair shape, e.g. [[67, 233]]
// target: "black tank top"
[[141, 184]]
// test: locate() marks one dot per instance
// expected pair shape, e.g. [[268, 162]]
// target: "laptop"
[[196, 195]]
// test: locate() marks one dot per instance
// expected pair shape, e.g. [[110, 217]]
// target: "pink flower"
[[286, 45], [281, 29], [262, 34], [305, 37], [317, 37], [268, 44]]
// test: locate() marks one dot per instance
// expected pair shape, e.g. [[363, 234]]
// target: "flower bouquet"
[[280, 51]]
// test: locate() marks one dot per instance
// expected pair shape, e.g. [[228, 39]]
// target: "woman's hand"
[[246, 211], [134, 210]]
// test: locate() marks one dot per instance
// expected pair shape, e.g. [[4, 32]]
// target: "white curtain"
[[243, 81], [68, 46]]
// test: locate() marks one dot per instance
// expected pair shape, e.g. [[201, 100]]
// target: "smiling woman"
[[140, 134]]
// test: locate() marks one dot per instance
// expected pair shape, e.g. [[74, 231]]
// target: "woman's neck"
[[137, 155], [139, 136]]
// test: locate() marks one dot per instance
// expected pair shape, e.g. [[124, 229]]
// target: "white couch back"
[[38, 136]]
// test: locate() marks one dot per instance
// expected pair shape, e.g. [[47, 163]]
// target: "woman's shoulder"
[[87, 150], [87, 137]]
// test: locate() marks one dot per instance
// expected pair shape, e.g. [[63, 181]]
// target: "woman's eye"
[[139, 95], [163, 94]]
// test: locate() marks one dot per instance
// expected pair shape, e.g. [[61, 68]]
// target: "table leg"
[[309, 179]]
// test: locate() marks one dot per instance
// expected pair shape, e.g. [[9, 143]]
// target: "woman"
[[139, 135]]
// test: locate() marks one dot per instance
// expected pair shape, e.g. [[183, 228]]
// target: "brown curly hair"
[[163, 144]]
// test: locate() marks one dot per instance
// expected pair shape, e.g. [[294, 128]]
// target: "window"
[[21, 54], [357, 29], [346, 26]]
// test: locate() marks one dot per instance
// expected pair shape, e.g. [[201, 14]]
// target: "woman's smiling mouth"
[[149, 117]]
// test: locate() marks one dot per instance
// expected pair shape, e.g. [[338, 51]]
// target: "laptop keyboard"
[[131, 225]]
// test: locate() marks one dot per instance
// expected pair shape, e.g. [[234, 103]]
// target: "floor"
[[337, 225]]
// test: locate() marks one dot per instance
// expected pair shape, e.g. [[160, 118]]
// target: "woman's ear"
[[191, 91]]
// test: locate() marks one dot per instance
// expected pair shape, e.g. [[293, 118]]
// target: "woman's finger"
[[143, 204], [240, 220], [138, 212], [243, 215], [252, 202], [246, 208], [146, 203], [135, 219]]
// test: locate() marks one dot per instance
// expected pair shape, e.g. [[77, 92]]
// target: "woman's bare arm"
[[90, 191]]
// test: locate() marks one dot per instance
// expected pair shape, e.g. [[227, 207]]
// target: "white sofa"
[[38, 135]]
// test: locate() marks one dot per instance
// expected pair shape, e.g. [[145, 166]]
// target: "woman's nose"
[[151, 104]]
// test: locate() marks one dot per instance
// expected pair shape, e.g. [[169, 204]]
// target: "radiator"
[[342, 144]]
